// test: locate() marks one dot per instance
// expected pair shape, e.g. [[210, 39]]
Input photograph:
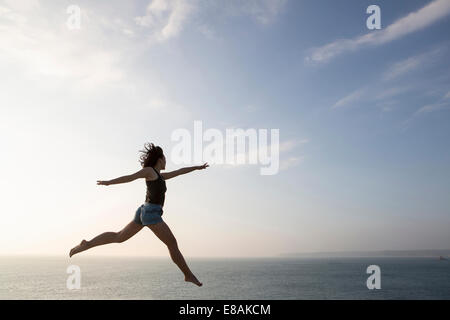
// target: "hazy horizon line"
[[373, 253], [349, 253]]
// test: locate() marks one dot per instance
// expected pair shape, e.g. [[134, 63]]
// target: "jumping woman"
[[148, 214]]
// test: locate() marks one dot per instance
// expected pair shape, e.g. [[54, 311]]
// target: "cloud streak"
[[413, 22], [290, 162], [432, 107], [383, 89], [167, 18], [403, 67], [412, 63], [262, 11], [442, 104], [447, 96], [349, 99]]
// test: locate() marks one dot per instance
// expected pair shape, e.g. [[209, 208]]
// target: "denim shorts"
[[148, 213]]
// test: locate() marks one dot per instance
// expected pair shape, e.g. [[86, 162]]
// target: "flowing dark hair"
[[150, 155]]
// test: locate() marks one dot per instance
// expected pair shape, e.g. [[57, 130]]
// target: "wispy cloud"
[[207, 31], [45, 48], [291, 144], [371, 94], [392, 92], [412, 63], [413, 22], [383, 90], [403, 67], [293, 160], [432, 107], [285, 148], [262, 11], [447, 96], [290, 162], [350, 98], [442, 104], [167, 18]]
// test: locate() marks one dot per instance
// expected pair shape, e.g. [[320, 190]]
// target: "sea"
[[31, 277]]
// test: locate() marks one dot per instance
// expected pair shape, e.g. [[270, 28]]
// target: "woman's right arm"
[[143, 173]]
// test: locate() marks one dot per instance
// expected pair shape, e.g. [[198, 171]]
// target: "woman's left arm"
[[172, 174]]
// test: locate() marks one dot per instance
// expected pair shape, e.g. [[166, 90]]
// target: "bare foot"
[[78, 248], [193, 279]]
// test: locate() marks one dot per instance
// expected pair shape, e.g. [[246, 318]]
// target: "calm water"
[[284, 278]]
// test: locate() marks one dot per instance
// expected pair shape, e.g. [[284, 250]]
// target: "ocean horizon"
[[276, 278]]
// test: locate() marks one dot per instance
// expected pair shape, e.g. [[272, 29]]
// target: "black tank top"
[[156, 190]]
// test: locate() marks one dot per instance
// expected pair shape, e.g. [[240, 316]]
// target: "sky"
[[362, 115]]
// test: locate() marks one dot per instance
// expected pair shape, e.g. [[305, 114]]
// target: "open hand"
[[103, 183], [203, 166]]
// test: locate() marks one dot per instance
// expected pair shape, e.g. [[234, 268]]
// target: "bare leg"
[[108, 237], [162, 231]]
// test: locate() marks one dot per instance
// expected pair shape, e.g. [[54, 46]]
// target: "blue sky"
[[363, 118]]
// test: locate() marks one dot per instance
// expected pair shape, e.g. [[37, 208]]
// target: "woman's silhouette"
[[148, 214]]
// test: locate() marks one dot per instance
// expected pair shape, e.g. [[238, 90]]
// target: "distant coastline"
[[381, 253]]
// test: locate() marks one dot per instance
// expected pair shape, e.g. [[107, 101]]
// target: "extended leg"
[[162, 231], [108, 237]]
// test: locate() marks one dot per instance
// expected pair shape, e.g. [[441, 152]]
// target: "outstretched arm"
[[172, 174], [143, 173]]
